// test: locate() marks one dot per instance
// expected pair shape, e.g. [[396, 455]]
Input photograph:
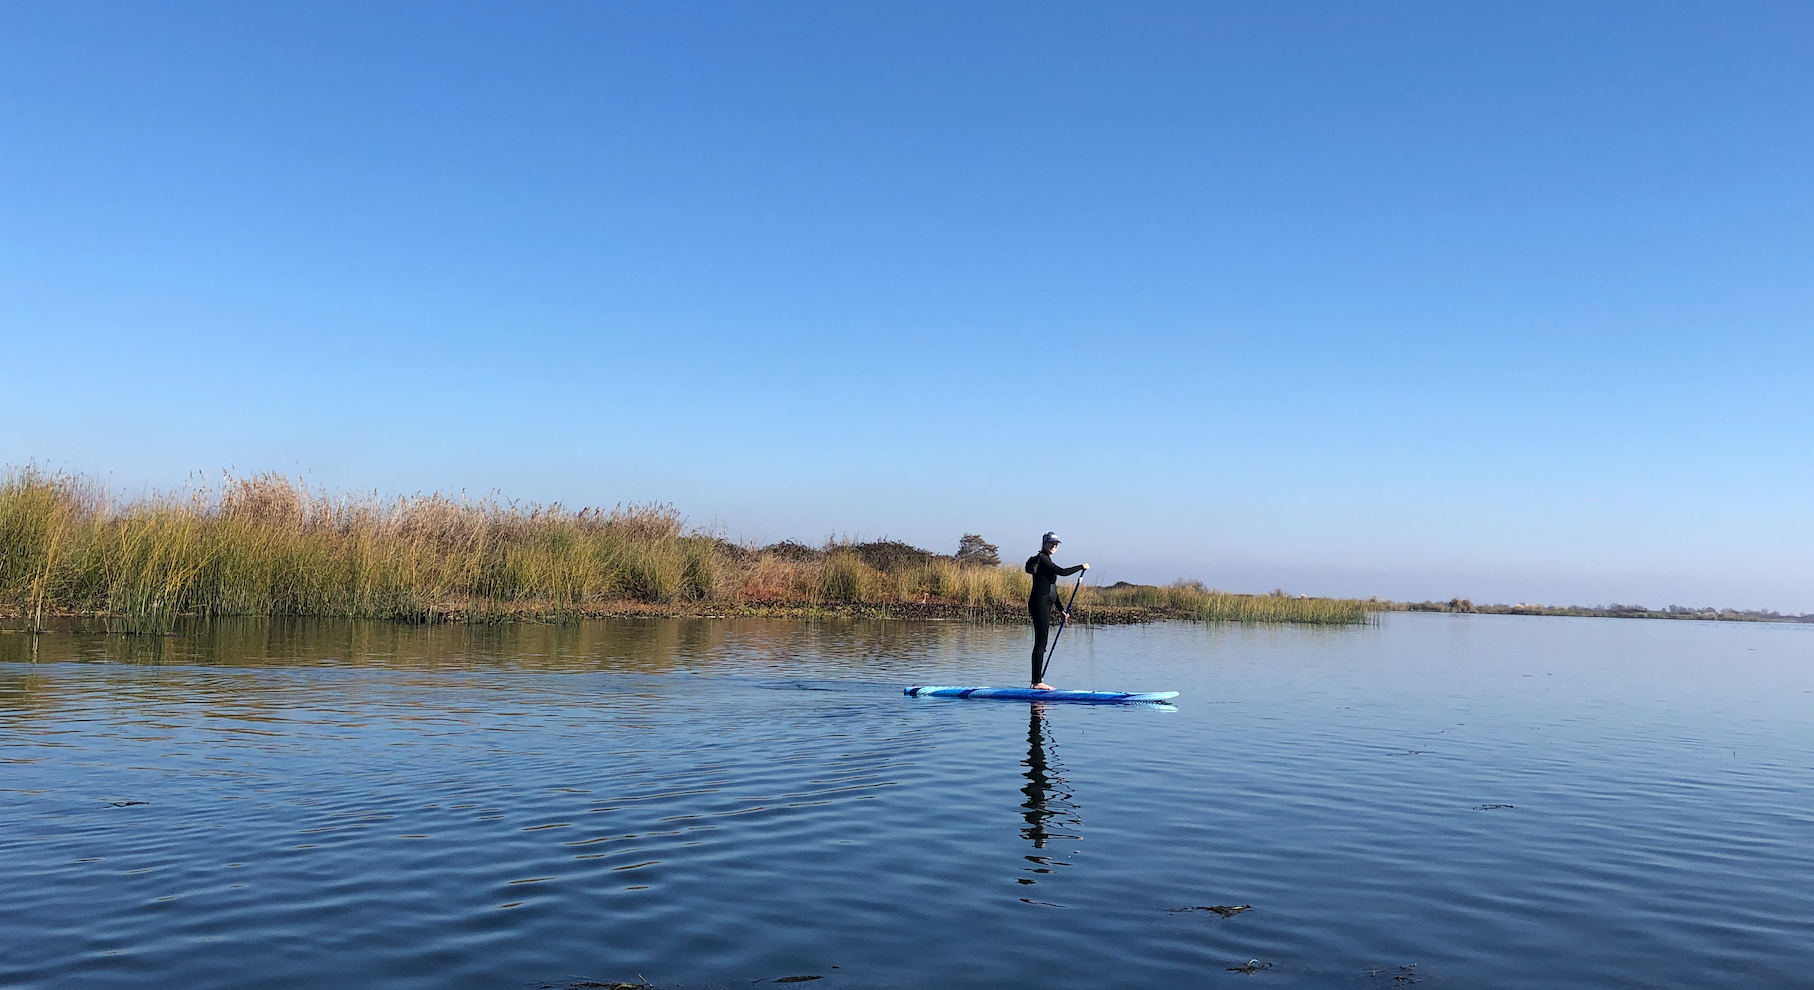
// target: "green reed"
[[1191, 599]]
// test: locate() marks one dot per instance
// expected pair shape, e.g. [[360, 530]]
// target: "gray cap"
[[1049, 538]]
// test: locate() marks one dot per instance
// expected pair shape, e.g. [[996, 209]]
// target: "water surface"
[[1466, 801]]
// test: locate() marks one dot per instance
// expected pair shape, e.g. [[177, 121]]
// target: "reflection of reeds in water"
[[264, 545]]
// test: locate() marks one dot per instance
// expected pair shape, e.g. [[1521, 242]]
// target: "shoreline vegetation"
[[265, 545]]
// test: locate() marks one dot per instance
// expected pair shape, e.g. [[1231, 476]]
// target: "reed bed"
[[1191, 599], [266, 545]]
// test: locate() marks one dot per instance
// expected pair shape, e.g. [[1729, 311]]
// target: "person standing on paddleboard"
[[1044, 600]]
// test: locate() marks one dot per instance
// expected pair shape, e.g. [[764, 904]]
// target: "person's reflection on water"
[[1049, 810]]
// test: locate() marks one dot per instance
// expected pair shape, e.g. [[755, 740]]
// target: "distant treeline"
[[1612, 611], [265, 545]]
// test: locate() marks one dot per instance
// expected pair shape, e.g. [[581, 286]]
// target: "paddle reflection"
[[1049, 809]]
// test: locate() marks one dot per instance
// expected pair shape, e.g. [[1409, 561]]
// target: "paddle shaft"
[[1047, 662]]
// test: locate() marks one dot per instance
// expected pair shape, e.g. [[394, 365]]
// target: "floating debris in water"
[[1221, 910], [1490, 807], [798, 979], [1402, 976], [1250, 967], [128, 804], [595, 985]]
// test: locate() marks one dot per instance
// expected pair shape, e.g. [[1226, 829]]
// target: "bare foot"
[[1043, 686]]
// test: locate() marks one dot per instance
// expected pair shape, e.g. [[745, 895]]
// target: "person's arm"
[[1067, 571]]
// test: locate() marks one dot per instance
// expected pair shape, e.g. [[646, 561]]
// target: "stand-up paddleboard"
[[1033, 694]]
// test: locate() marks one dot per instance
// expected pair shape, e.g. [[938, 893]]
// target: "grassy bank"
[[264, 545]]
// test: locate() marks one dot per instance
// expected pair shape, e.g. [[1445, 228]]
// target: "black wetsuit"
[[1043, 601]]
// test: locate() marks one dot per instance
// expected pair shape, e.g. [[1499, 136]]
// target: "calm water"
[[1494, 801]]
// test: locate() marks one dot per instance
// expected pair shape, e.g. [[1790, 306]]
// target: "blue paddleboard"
[[1029, 694]]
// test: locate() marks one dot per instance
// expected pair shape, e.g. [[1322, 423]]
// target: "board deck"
[[1029, 694]]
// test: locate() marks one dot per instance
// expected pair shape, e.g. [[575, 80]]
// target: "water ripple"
[[1461, 800]]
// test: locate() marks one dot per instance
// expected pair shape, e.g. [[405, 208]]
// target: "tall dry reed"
[[266, 545]]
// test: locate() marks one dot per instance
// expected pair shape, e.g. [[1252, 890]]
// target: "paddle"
[[1047, 662]]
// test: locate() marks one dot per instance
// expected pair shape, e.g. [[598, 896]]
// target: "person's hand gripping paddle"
[[1047, 662]]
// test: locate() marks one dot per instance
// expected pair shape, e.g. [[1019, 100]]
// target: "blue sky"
[[1507, 301]]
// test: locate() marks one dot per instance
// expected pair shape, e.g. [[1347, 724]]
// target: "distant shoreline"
[[1462, 605]]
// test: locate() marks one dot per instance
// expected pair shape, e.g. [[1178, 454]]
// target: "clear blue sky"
[[1510, 301]]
